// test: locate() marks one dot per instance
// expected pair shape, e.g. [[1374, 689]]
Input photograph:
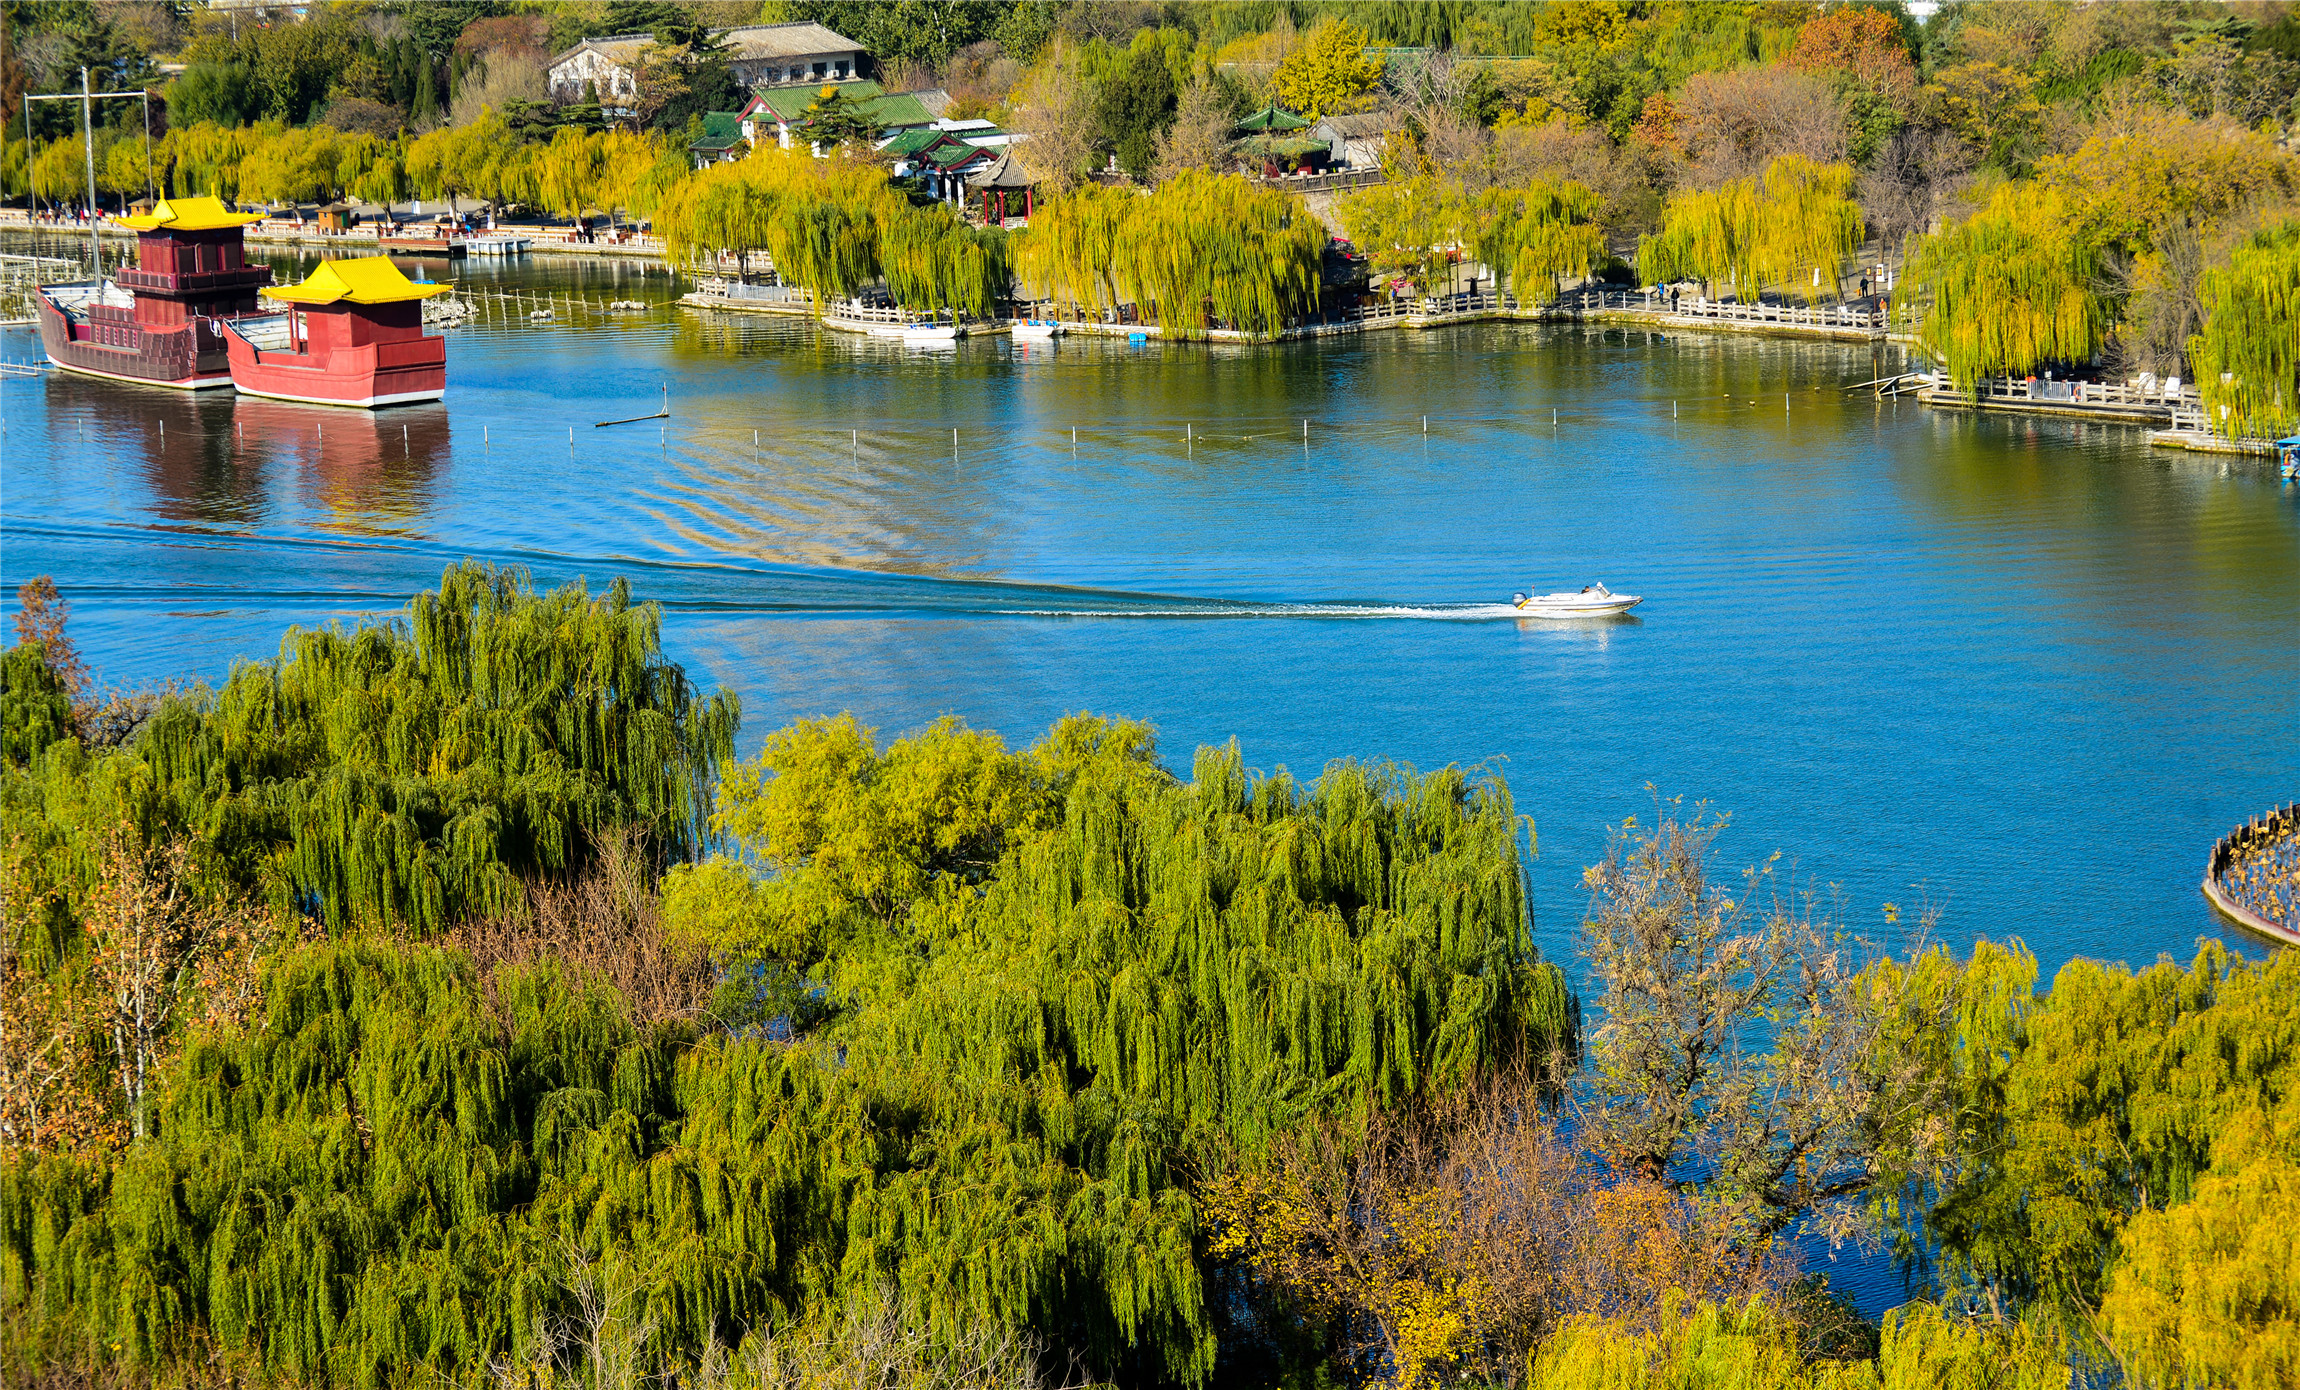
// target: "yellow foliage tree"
[[2006, 289], [1328, 71], [2207, 1293], [124, 167], [2125, 188], [1756, 1345], [1796, 217], [1200, 247], [2247, 359]]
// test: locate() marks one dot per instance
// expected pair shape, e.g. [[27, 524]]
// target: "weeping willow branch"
[[1798, 216], [2247, 359], [1200, 248], [2006, 289]]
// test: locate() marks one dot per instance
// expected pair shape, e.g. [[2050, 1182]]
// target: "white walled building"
[[762, 55]]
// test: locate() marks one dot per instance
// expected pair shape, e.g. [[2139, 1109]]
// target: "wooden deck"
[[2078, 400]]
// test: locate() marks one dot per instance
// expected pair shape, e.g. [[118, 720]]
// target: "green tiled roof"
[[899, 109], [1273, 118], [722, 125], [891, 110], [951, 156], [1282, 147], [788, 102], [911, 141]]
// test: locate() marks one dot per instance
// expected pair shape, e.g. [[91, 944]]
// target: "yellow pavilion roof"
[[190, 215], [371, 280]]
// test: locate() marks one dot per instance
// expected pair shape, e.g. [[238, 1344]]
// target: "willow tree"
[[934, 261], [1069, 252], [1402, 227], [409, 774], [2247, 359], [581, 169], [2208, 1292], [1806, 221], [567, 171], [60, 171], [204, 159], [1213, 246], [482, 159], [2006, 289], [1048, 990], [1797, 216], [1538, 234], [724, 208]]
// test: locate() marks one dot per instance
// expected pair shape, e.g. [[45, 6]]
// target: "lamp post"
[[88, 96]]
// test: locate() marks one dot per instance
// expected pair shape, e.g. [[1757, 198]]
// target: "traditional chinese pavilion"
[[1005, 187], [352, 335], [158, 322]]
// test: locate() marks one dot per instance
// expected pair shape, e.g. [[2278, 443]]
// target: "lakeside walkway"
[[287, 231]]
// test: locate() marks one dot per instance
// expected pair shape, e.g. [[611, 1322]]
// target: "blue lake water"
[[2021, 671]]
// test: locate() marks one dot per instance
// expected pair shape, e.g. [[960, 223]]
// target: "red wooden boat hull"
[[188, 357], [364, 377]]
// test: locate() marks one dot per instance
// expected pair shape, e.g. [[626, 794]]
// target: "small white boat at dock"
[[1595, 601], [1037, 330], [497, 244]]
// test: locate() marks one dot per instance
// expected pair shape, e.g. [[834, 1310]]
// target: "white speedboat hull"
[[1542, 608], [1596, 601], [1035, 332]]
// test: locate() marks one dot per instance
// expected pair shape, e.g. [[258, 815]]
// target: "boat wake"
[[372, 574]]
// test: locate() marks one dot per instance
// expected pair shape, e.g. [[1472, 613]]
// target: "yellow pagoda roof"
[[189, 215], [370, 280]]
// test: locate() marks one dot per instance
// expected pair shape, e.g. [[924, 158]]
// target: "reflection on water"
[[360, 472], [216, 458], [181, 439]]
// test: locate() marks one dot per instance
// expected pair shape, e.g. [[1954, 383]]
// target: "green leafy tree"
[[922, 32], [2080, 1109], [837, 121], [223, 93], [1037, 993], [407, 775], [1134, 106]]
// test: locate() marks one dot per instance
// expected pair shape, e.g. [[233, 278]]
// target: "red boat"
[[353, 335], [157, 323]]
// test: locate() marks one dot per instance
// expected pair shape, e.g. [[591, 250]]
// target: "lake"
[[2023, 672]]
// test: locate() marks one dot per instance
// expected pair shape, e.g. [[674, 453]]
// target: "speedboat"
[[1596, 601], [1036, 329]]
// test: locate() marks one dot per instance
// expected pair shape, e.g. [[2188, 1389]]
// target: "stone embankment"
[[2253, 875]]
